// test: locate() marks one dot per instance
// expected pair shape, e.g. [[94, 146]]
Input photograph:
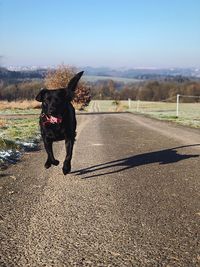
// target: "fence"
[[187, 113]]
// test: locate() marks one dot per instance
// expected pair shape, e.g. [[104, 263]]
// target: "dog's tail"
[[74, 81], [72, 85]]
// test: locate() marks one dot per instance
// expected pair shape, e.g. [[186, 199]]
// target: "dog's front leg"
[[49, 150], [67, 162]]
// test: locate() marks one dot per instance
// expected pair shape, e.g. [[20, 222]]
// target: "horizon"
[[122, 68], [123, 34]]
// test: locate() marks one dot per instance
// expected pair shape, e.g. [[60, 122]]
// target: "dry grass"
[[24, 104], [2, 123]]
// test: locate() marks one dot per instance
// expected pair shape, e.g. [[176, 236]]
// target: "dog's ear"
[[40, 95], [74, 81]]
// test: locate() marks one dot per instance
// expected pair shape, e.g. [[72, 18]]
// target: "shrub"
[[60, 77]]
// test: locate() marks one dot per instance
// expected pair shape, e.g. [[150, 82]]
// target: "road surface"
[[132, 198]]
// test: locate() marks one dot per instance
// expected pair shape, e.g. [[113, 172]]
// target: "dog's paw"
[[66, 168], [47, 164], [55, 162]]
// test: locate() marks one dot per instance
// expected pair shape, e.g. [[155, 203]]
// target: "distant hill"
[[6, 74], [92, 74], [143, 73]]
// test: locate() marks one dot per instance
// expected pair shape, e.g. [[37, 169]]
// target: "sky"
[[110, 33]]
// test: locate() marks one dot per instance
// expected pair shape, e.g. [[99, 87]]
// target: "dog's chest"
[[55, 132]]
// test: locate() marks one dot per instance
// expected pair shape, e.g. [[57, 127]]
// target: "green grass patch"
[[21, 130]]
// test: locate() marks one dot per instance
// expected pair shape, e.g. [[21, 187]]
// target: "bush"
[[60, 77]]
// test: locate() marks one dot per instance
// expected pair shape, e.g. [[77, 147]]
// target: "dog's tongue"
[[55, 119]]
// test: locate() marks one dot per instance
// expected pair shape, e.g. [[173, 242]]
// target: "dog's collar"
[[48, 119]]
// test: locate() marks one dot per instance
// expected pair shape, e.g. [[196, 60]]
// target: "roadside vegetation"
[[16, 136], [20, 129]]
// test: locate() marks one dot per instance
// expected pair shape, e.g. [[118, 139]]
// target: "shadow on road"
[[162, 157], [3, 175]]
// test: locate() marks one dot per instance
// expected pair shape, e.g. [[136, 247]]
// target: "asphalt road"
[[132, 199]]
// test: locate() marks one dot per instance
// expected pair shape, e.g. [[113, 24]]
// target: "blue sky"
[[113, 33]]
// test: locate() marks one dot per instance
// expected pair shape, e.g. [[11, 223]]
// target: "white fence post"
[[177, 105], [129, 103]]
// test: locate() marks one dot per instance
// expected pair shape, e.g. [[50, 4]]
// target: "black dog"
[[58, 121]]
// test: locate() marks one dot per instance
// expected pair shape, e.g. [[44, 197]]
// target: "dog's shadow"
[[2, 175], [165, 156]]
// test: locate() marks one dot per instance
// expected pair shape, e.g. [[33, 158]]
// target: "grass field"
[[19, 129], [17, 135], [189, 113]]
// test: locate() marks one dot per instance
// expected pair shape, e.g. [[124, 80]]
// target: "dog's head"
[[54, 101]]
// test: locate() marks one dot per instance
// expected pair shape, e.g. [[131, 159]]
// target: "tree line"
[[161, 90], [146, 91], [20, 90]]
